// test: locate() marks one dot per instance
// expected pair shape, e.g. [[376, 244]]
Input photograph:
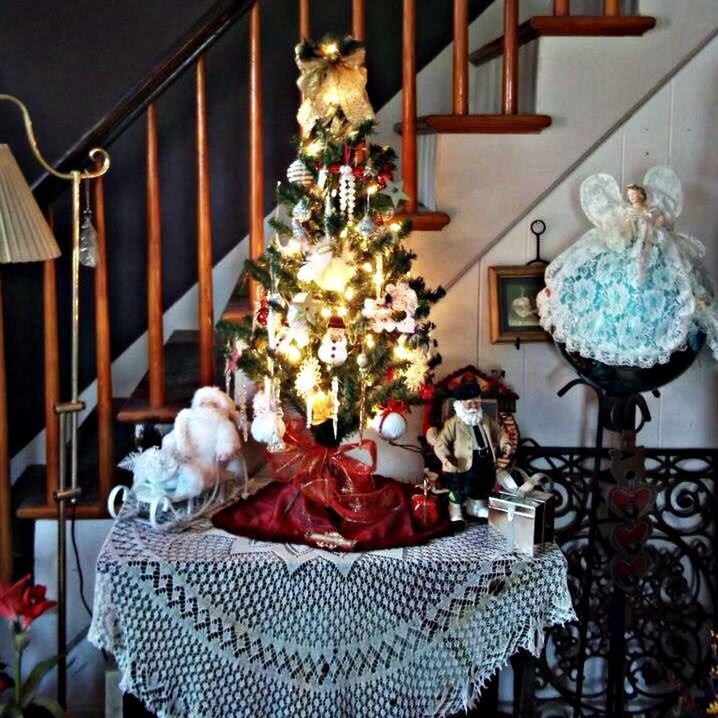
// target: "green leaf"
[[33, 680], [50, 705]]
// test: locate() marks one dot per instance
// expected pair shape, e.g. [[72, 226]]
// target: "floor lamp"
[[24, 237]]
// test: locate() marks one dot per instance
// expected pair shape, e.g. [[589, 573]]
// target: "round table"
[[203, 623]]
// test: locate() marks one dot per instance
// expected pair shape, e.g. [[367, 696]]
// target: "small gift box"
[[523, 514]]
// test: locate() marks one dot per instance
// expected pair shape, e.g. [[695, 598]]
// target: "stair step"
[[32, 504], [425, 220], [480, 124], [570, 26], [181, 381], [237, 308]]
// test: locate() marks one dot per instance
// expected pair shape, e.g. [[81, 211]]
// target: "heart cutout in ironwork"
[[626, 571], [630, 502], [628, 539]]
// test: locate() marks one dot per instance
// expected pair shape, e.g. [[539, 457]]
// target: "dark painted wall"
[[72, 61]]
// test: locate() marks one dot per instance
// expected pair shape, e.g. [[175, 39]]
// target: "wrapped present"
[[523, 514]]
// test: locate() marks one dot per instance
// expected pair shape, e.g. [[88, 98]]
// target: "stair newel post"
[[358, 19], [561, 8], [510, 77], [611, 8], [103, 358], [204, 236], [461, 58], [303, 19], [155, 330], [408, 105], [51, 360], [256, 160]]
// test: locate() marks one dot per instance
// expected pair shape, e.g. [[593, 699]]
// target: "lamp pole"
[[72, 408]]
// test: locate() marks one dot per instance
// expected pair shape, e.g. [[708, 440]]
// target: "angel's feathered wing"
[[601, 200], [665, 191]]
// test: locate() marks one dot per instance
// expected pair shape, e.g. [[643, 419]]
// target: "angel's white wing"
[[664, 190], [601, 200]]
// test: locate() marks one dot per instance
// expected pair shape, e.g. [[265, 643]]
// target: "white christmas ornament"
[[399, 299], [366, 227], [389, 425], [299, 173], [333, 349], [268, 425], [347, 190], [301, 211], [329, 272]]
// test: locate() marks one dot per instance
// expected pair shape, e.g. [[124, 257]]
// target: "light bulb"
[[367, 267], [395, 226], [313, 148], [370, 341], [349, 293], [372, 189], [326, 312], [293, 354], [331, 48], [342, 311]]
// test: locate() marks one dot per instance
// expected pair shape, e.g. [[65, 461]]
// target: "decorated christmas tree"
[[341, 331]]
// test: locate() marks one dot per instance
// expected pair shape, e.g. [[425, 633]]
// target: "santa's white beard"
[[471, 417]]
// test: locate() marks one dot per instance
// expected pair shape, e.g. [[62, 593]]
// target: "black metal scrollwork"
[[653, 566]]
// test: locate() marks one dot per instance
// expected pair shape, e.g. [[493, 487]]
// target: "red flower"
[[23, 603]]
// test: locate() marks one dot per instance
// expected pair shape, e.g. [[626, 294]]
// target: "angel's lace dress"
[[631, 291]]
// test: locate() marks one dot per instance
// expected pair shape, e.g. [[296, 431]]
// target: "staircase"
[[179, 363]]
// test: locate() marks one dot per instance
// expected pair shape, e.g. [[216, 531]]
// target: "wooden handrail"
[[358, 22], [155, 330], [256, 158], [561, 8], [510, 83], [204, 236], [461, 58], [51, 360], [103, 357], [408, 105], [303, 19], [180, 57]]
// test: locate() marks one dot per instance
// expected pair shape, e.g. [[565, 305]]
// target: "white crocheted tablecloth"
[[207, 624]]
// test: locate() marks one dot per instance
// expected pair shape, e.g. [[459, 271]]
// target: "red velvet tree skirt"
[[281, 512]]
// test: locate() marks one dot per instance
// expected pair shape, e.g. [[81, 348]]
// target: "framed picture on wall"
[[512, 303]]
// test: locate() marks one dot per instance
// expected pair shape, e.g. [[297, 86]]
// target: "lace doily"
[[206, 624]]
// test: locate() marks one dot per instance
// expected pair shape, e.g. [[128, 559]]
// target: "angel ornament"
[[631, 291]]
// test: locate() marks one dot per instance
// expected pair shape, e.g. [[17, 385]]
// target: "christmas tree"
[[341, 330]]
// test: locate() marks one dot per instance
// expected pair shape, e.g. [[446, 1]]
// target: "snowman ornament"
[[333, 349]]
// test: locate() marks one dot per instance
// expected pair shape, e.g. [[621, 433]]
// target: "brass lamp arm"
[[95, 154]]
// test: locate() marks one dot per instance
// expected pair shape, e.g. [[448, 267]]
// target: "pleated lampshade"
[[24, 233]]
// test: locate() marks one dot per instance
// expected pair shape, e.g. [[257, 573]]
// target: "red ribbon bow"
[[332, 478]]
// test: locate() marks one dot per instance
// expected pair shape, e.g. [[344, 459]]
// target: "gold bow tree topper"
[[332, 75]]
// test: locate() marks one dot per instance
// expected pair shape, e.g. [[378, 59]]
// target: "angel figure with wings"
[[631, 291]]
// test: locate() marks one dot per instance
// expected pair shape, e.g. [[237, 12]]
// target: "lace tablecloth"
[[206, 624]]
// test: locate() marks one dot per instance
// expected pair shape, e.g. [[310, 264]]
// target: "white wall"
[[676, 127]]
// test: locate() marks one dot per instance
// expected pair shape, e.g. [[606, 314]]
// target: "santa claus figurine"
[[333, 349], [468, 447]]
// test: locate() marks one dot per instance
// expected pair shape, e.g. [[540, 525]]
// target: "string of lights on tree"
[[341, 330]]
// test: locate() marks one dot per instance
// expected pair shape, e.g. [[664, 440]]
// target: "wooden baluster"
[[408, 105], [51, 358], [155, 330], [561, 8], [204, 237], [103, 358], [6, 555], [303, 19], [510, 84], [358, 19], [461, 57], [611, 8], [256, 161]]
